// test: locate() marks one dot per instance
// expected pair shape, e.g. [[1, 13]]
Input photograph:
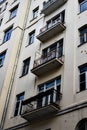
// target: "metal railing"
[[48, 3], [41, 100], [52, 24], [49, 56]]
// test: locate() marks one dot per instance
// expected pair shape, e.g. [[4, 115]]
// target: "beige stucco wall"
[[73, 57], [11, 46]]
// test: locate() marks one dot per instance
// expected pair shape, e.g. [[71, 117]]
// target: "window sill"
[[33, 19], [81, 91], [14, 1], [28, 45], [23, 75], [11, 19], [82, 44], [2, 11], [81, 12], [3, 43]]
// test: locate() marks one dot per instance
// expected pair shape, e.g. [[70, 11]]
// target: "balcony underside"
[[41, 113], [52, 7], [47, 66], [51, 32]]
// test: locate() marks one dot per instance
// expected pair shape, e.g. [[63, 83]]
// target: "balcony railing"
[[41, 105], [51, 5], [51, 29], [50, 55], [52, 24], [48, 3]]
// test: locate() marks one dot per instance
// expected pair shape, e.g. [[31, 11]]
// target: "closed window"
[[7, 35], [83, 78], [83, 5], [31, 37], [25, 66], [2, 58], [35, 12], [83, 35], [13, 12], [19, 99]]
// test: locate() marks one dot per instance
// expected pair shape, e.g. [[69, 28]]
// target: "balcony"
[[43, 105], [49, 31], [51, 5], [52, 60]]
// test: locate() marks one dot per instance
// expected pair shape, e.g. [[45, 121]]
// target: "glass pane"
[[20, 97], [50, 84], [82, 77], [82, 86], [53, 47], [41, 88], [83, 6], [39, 103], [83, 69], [58, 81], [46, 100], [17, 105]]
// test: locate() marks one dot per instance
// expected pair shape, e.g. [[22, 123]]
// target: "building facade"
[[44, 70]]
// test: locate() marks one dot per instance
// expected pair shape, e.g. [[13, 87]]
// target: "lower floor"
[[75, 119]]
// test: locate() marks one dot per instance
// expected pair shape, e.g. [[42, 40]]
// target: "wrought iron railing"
[[48, 3], [41, 100], [57, 53], [52, 24]]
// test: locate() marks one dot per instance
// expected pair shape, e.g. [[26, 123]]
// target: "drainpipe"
[[14, 69]]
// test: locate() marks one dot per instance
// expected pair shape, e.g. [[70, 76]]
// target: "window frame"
[[13, 12], [31, 36], [82, 3], [25, 67], [7, 34], [17, 110], [56, 86], [83, 35], [35, 12], [2, 58], [83, 80]]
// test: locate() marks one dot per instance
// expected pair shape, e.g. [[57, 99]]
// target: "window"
[[83, 35], [58, 18], [56, 84], [13, 12], [25, 66], [2, 58], [82, 125], [31, 37], [54, 50], [7, 35], [1, 1], [83, 78], [35, 12], [19, 99], [83, 5]]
